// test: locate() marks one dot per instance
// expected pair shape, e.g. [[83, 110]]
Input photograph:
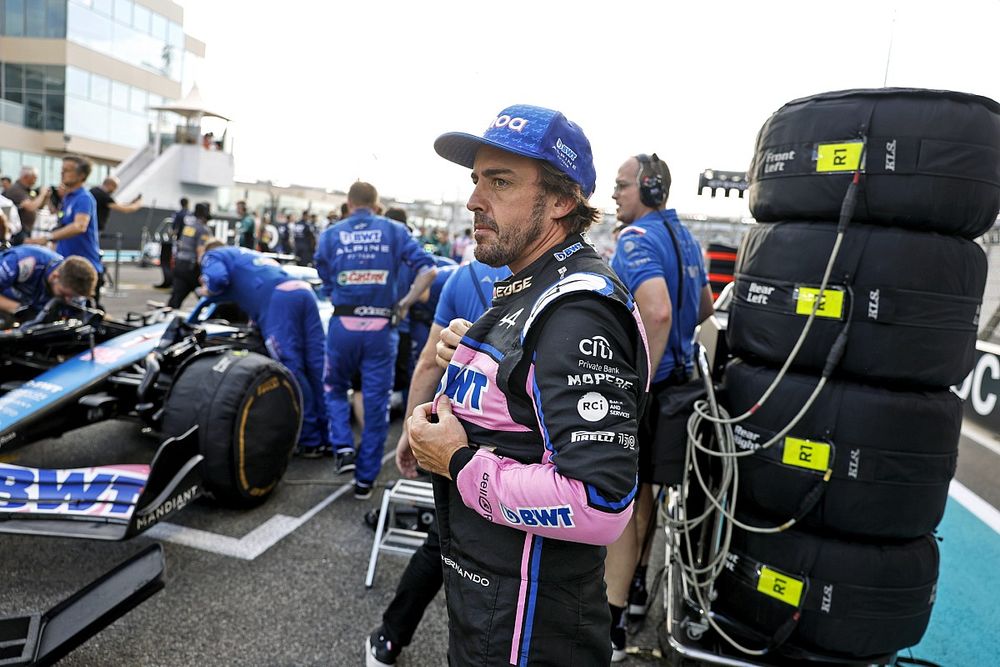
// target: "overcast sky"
[[324, 93]]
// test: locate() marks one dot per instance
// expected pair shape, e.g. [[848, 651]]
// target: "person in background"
[[190, 248], [287, 314], [441, 243], [461, 244], [284, 234], [267, 239], [421, 314], [404, 351], [106, 202], [358, 260], [167, 245], [654, 250], [10, 222], [4, 183], [246, 227], [77, 231], [30, 275], [28, 200], [303, 235]]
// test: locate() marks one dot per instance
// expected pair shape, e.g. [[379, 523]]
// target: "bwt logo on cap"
[[565, 150], [503, 120]]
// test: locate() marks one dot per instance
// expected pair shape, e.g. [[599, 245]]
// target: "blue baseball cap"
[[531, 131]]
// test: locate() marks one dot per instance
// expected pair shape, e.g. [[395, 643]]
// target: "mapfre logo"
[[362, 277], [515, 123]]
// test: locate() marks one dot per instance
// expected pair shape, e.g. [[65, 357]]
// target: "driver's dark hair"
[[555, 182], [78, 275]]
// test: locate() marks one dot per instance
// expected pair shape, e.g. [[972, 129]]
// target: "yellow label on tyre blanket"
[[844, 156], [831, 305], [780, 586], [806, 454]]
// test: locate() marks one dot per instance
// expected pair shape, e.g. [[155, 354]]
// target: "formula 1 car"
[[206, 386]]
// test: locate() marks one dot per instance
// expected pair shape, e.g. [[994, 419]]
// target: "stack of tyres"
[[865, 471]]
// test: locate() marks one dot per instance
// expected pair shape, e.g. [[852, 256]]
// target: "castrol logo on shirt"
[[362, 277]]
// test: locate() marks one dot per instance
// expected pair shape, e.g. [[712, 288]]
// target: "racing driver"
[[532, 440], [30, 275]]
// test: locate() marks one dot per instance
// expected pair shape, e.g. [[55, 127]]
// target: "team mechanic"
[[660, 262], [31, 275], [359, 259], [533, 449], [77, 233], [287, 313]]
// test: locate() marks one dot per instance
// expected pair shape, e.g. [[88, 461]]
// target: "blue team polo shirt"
[[646, 250], [86, 245]]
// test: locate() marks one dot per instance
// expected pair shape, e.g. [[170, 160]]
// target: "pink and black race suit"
[[548, 385]]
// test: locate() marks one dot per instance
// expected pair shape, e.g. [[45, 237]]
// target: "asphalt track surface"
[[283, 584]]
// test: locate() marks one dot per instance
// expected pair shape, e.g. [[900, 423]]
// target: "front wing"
[[111, 502]]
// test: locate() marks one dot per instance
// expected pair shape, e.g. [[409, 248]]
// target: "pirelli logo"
[[831, 305], [268, 385], [780, 586], [806, 454], [844, 156]]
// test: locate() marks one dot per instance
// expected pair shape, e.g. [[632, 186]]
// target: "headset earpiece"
[[651, 190]]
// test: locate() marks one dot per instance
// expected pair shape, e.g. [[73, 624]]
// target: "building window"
[[123, 11], [100, 89], [55, 19], [119, 95], [33, 18], [135, 35], [33, 95], [34, 23], [13, 15], [141, 18], [77, 82]]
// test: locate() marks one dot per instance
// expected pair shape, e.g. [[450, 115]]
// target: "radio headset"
[[652, 190]]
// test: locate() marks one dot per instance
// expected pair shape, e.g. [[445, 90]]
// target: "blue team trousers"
[[293, 334], [368, 345]]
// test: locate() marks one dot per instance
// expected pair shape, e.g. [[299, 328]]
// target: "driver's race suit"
[[548, 385], [24, 272], [287, 313]]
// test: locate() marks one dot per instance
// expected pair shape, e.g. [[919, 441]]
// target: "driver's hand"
[[449, 340]]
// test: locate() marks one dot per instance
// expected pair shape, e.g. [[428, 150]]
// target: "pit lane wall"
[[980, 390]]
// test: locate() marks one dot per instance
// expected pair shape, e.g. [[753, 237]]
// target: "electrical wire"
[[699, 575]]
